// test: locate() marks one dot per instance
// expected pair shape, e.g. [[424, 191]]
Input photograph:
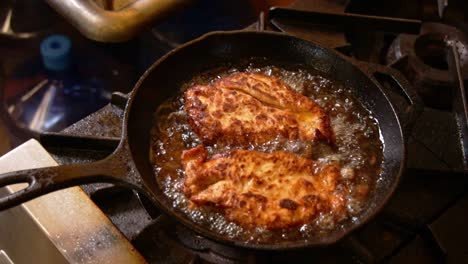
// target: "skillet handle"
[[404, 98], [45, 180]]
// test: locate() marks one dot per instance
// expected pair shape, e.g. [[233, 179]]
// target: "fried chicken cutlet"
[[256, 189], [251, 108]]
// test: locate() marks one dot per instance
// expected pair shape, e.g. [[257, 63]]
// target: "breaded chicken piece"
[[251, 108], [256, 189]]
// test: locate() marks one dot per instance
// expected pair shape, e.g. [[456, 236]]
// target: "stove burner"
[[423, 60], [212, 251], [163, 241], [423, 222]]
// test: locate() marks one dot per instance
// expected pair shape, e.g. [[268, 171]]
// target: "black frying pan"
[[130, 165]]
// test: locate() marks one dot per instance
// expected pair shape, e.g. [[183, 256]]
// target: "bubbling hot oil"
[[358, 150]]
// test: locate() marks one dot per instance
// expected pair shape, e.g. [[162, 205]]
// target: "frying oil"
[[358, 150]]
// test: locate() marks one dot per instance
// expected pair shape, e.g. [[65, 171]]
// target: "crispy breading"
[[252, 108], [256, 189]]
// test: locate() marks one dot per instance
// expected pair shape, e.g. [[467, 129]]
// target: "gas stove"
[[424, 222]]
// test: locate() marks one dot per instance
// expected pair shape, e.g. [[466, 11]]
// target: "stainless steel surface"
[[44, 117], [7, 30], [97, 23], [441, 5], [20, 234], [61, 227]]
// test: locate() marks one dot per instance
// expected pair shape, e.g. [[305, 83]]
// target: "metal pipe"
[[113, 26]]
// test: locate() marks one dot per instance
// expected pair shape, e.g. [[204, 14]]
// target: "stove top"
[[425, 220]]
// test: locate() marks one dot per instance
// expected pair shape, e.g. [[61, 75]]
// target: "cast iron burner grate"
[[423, 58], [425, 221]]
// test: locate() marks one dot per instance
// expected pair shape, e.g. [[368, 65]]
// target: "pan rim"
[[300, 244]]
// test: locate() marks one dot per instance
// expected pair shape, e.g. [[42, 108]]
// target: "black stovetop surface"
[[424, 222]]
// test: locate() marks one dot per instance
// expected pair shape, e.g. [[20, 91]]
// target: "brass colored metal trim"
[[120, 25]]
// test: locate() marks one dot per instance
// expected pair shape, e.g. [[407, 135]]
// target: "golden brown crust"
[[251, 108], [256, 189]]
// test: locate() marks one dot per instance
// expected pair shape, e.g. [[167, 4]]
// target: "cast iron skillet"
[[130, 165]]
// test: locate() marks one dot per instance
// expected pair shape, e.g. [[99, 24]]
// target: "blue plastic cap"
[[55, 51]]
